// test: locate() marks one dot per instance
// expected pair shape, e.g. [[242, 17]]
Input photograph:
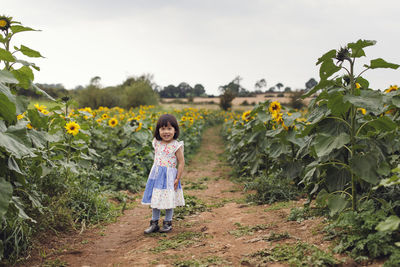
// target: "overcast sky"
[[202, 41]]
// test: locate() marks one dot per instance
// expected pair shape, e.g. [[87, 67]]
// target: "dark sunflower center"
[[72, 128]]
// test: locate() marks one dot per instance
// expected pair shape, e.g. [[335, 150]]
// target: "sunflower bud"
[[343, 54], [4, 23], [65, 98]]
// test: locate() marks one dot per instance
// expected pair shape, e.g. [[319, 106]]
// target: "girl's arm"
[[181, 166]]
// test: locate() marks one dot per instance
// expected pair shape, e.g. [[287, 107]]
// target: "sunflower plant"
[[350, 137]]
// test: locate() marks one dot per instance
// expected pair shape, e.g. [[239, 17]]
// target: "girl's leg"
[[154, 222], [168, 214], [156, 214]]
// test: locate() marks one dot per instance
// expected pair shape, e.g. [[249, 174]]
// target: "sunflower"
[[29, 126], [4, 23], [20, 116], [392, 88], [183, 118], [275, 107], [72, 128], [358, 86], [113, 122], [104, 116], [44, 111], [246, 115], [363, 110], [40, 108], [139, 127]]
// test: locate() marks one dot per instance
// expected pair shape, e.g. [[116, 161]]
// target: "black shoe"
[[153, 227], [167, 226]]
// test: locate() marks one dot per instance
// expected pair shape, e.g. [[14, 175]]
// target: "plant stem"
[[352, 137]]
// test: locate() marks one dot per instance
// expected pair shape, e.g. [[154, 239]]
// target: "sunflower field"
[[59, 166], [342, 153]]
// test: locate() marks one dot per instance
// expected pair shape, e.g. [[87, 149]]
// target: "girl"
[[163, 188]]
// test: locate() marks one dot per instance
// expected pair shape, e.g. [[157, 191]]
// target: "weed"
[[192, 205], [277, 236], [195, 186], [180, 240], [203, 262], [248, 230], [298, 254], [301, 214], [280, 205], [54, 263]]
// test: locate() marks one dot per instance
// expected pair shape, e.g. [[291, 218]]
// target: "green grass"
[[203, 262], [48, 103], [183, 239], [298, 254], [248, 230], [280, 205]]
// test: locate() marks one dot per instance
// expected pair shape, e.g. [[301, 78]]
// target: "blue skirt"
[[159, 192]]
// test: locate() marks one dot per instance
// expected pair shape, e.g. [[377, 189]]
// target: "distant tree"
[[95, 81], [271, 89], [185, 89], [279, 85], [288, 89], [260, 85], [229, 92], [199, 90], [310, 84]]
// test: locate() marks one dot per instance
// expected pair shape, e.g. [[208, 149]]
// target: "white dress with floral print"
[[159, 192]]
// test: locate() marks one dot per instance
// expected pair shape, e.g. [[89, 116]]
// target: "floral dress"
[[159, 192]]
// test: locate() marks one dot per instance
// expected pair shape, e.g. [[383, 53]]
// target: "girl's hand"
[[176, 182]]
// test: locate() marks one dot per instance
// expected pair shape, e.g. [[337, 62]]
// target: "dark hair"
[[163, 121]]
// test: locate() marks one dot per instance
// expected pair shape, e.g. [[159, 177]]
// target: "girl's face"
[[167, 133]]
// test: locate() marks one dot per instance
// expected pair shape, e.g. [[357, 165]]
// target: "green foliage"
[[299, 254], [193, 205], [247, 230], [133, 93], [358, 234], [305, 213], [203, 262], [226, 98], [182, 239], [271, 189], [138, 93]]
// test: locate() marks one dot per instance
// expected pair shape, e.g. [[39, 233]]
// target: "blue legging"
[[168, 214]]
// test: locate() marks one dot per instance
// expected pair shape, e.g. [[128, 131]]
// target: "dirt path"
[[220, 236]]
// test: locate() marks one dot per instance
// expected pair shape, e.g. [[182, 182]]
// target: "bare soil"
[[217, 241]]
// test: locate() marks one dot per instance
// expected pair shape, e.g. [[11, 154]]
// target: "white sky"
[[202, 41]]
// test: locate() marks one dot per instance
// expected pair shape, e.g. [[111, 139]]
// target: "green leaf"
[[357, 48], [371, 100], [13, 165], [337, 104], [328, 68], [41, 92], [7, 77], [24, 75], [29, 52], [7, 104], [390, 224], [361, 44], [16, 201], [364, 166], [383, 124], [336, 204], [363, 82], [328, 55], [325, 144], [20, 28], [6, 191], [380, 63], [13, 145], [6, 55]]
